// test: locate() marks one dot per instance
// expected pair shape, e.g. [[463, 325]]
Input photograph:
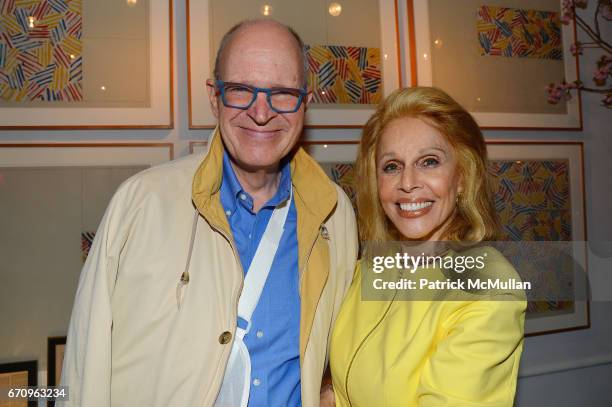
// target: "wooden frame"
[[72, 154], [158, 115], [10, 371], [55, 357], [421, 65], [317, 116], [329, 153]]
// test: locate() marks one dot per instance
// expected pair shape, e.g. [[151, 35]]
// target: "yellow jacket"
[[129, 341], [427, 353]]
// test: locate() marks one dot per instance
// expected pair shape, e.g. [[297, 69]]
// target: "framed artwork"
[[496, 59], [56, 346], [539, 196], [337, 158], [50, 194], [352, 52], [19, 374], [540, 199], [72, 64]]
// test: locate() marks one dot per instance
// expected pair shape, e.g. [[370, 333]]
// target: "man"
[[155, 315]]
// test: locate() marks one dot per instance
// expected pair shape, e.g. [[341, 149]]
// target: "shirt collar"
[[233, 190]]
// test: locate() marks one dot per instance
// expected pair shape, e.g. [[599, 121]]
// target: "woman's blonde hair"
[[475, 219]]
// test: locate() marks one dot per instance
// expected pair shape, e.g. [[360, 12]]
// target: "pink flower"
[[558, 91], [604, 66], [568, 10], [576, 49], [607, 101]]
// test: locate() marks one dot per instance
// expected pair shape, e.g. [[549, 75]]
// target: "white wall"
[[543, 355]]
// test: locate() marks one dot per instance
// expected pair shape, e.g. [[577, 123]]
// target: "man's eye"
[[285, 92], [237, 88], [391, 167]]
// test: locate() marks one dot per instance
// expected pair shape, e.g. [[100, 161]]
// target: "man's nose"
[[260, 111]]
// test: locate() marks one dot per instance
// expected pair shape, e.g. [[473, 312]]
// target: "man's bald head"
[[247, 27]]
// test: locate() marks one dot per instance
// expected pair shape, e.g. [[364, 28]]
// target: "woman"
[[423, 162]]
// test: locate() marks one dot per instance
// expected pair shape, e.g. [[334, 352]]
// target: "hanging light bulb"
[[31, 21], [266, 10], [334, 9], [131, 3]]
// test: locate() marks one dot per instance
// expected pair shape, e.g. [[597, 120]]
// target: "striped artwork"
[[87, 239], [348, 75], [40, 50], [532, 199], [512, 32], [344, 176], [533, 202]]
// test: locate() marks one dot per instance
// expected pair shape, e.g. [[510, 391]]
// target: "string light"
[[266, 10], [335, 9]]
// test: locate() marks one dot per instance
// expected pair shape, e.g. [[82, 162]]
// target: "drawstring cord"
[[185, 276]]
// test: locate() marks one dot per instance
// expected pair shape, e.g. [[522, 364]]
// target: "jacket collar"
[[312, 187]]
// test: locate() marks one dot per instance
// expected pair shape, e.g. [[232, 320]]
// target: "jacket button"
[[225, 338]]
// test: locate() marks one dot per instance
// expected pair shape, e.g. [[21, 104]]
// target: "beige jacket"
[[129, 341]]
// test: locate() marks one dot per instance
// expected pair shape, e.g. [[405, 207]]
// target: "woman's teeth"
[[414, 206]]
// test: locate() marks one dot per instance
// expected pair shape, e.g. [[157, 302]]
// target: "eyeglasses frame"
[[220, 86]]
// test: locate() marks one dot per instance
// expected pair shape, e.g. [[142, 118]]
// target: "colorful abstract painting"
[[532, 199], [349, 75], [512, 32], [343, 174], [87, 239], [40, 50]]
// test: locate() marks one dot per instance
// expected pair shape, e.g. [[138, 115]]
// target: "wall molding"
[[559, 367]]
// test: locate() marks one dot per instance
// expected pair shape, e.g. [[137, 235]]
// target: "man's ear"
[[212, 97], [308, 99]]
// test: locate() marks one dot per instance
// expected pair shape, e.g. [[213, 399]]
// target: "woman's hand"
[[327, 396]]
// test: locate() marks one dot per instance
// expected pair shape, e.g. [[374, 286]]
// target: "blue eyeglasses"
[[241, 96]]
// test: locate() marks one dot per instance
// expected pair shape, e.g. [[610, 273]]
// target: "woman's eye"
[[430, 162], [390, 167]]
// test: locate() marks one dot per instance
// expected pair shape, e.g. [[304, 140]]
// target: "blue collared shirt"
[[274, 338]]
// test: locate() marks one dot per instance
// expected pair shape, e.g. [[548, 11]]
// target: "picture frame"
[[559, 167], [56, 346], [318, 115], [566, 223], [50, 194], [141, 46], [75, 154], [502, 84], [19, 374]]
